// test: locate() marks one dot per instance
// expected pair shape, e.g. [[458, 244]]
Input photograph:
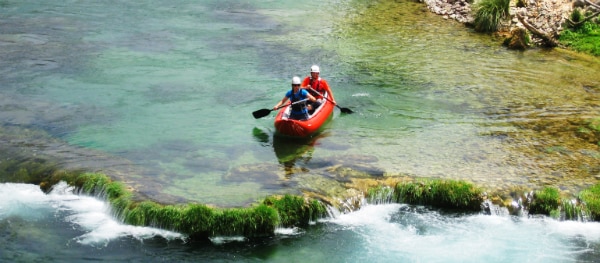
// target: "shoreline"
[[545, 16]]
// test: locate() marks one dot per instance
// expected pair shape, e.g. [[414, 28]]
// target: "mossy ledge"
[[464, 196], [201, 222], [197, 221]]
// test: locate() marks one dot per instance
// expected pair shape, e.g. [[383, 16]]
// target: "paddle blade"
[[261, 113], [346, 110]]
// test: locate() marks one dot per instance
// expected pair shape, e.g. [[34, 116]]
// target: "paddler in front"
[[299, 111]]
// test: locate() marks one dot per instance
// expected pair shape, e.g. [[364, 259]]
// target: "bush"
[[488, 14], [545, 202], [591, 200]]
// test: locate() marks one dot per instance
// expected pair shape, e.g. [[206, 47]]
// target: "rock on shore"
[[545, 15]]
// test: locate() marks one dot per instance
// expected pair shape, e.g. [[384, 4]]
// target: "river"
[[160, 95]]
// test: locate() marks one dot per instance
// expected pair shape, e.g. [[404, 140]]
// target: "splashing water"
[[375, 233], [90, 216]]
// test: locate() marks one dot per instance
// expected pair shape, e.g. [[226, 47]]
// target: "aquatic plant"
[[571, 210], [200, 221], [545, 202], [380, 195], [295, 210], [17, 169], [488, 14], [591, 201], [594, 124], [440, 193]]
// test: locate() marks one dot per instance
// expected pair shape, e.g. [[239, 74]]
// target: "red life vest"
[[316, 85]]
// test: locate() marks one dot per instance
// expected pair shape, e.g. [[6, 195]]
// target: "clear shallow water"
[[168, 91], [161, 95]]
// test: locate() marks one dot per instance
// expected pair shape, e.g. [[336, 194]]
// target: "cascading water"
[[378, 232]]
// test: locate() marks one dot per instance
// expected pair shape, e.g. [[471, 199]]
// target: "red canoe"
[[308, 127]]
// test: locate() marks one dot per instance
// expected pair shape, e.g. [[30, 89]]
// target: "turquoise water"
[[161, 95]]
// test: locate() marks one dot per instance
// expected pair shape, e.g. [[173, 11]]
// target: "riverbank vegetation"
[[489, 13], [581, 31], [582, 36]]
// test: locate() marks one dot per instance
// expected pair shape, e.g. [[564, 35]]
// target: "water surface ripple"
[[165, 92]]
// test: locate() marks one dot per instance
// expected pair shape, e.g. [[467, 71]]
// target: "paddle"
[[344, 110], [264, 112]]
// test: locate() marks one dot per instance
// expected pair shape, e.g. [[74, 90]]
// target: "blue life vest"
[[300, 108]]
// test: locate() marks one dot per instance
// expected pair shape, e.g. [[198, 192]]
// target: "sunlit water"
[[160, 95]]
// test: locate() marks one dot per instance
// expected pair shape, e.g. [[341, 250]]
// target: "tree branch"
[[549, 41], [592, 4], [575, 24]]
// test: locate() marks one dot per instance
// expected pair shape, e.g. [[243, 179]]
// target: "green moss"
[[594, 124], [33, 171], [250, 222], [545, 201], [591, 201], [295, 210], [440, 193], [200, 221], [195, 219]]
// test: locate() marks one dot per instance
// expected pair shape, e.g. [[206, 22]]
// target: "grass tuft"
[[546, 201], [591, 201], [489, 13], [440, 193]]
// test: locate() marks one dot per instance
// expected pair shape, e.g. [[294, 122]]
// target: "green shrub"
[[576, 15], [488, 14], [591, 200], [545, 201]]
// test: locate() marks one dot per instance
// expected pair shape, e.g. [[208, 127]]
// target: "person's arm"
[[308, 95], [325, 86], [280, 103]]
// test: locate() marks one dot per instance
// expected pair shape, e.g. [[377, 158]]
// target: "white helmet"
[[296, 80], [314, 68]]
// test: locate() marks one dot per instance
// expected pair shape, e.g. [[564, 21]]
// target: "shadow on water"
[[294, 154]]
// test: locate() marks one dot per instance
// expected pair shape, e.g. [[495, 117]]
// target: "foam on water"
[[401, 232], [88, 214]]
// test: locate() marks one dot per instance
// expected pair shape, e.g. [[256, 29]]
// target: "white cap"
[[296, 80], [314, 68]]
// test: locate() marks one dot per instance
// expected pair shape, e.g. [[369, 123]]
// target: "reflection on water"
[[294, 154]]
